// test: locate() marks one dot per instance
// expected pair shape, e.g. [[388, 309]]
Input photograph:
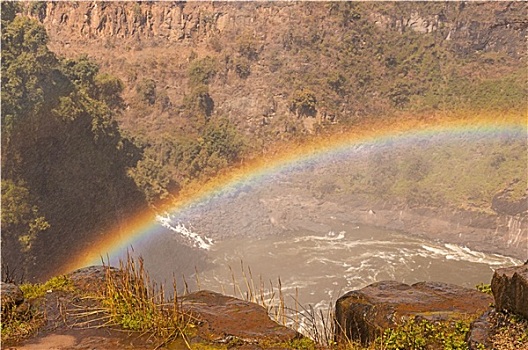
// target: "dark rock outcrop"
[[225, 319], [510, 289], [481, 330], [12, 300], [363, 314], [502, 203]]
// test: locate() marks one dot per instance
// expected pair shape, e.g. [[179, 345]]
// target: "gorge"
[[237, 147]]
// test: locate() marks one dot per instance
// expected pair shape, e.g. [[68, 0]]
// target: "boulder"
[[224, 319], [12, 300], [11, 294], [363, 314], [510, 289]]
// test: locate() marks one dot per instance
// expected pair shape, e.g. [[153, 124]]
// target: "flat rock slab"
[[223, 319], [510, 289], [363, 314]]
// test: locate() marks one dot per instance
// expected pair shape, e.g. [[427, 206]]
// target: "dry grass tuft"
[[132, 301]]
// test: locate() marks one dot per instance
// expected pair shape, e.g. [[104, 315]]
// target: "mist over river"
[[315, 226]]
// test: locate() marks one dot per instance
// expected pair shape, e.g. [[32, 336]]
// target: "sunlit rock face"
[[363, 314], [223, 318]]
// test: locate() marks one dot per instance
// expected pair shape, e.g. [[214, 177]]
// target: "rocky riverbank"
[[76, 318], [290, 203]]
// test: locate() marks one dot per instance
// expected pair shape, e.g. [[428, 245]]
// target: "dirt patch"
[[51, 342], [88, 339]]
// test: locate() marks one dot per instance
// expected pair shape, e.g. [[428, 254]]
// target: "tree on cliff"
[[64, 161]]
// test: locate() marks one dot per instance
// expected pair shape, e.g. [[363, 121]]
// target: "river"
[[314, 267]]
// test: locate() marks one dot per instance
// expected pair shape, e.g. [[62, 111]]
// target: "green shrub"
[[247, 47], [242, 68], [109, 89], [304, 103], [38, 8], [199, 103], [58, 283], [422, 334], [146, 90], [337, 82], [202, 71], [484, 288]]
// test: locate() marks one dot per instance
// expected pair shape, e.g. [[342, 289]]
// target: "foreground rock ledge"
[[223, 319], [218, 319], [364, 314]]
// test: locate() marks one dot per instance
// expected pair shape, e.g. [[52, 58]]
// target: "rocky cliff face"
[[161, 23], [157, 22], [261, 49]]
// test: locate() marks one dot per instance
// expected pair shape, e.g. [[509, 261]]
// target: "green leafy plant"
[[484, 288], [416, 334], [146, 90]]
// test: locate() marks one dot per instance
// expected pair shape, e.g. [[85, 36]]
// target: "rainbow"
[[294, 156]]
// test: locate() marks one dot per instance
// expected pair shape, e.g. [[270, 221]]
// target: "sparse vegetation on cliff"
[[280, 71]]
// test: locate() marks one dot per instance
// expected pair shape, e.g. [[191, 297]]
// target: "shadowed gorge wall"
[[63, 158]]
